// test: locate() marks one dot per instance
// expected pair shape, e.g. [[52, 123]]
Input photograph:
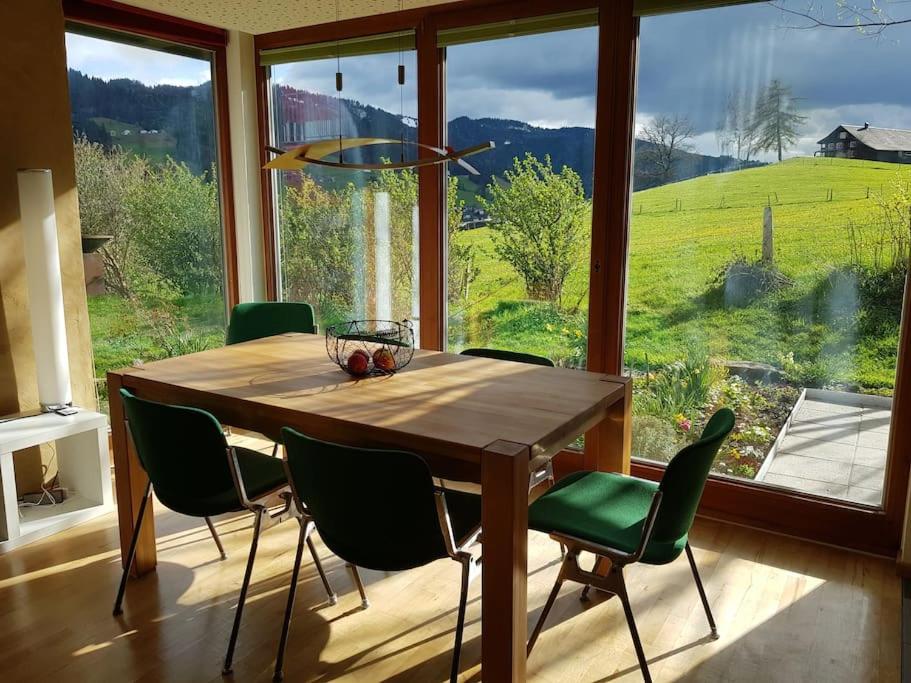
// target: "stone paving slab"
[[834, 448]]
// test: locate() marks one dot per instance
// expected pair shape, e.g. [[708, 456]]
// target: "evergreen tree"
[[776, 120]]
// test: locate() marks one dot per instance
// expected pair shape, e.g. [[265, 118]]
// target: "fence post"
[[768, 250]]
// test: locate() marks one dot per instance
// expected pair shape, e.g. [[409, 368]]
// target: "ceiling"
[[264, 16]]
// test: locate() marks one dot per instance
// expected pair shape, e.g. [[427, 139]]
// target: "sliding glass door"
[[146, 149], [347, 240], [769, 241]]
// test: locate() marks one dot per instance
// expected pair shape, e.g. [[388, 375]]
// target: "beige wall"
[[35, 132]]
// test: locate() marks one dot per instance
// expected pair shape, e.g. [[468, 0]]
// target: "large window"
[[146, 165], [519, 234], [348, 239], [766, 269]]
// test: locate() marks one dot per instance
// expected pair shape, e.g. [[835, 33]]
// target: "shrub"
[[681, 388], [654, 438], [318, 249], [539, 219], [742, 281]]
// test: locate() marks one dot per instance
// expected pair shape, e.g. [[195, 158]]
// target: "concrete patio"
[[834, 445]]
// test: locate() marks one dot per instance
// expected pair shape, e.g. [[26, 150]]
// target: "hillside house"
[[866, 142]]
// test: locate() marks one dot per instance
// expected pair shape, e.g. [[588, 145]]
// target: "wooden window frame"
[[753, 504], [132, 21]]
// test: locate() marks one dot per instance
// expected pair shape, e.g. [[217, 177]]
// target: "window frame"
[[755, 504], [122, 23]]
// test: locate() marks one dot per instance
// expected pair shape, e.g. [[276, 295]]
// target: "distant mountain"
[[308, 116], [177, 121], [182, 117]]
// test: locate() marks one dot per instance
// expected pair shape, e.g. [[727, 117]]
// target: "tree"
[[736, 133], [776, 119], [538, 218], [870, 19], [402, 187], [106, 179], [667, 137], [461, 268], [318, 246]]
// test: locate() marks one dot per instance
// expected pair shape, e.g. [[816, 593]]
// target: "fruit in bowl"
[[358, 363], [384, 360]]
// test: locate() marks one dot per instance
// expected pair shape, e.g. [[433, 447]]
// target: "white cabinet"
[[81, 444]]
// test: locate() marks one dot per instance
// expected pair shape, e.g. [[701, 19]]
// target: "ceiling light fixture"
[[317, 152]]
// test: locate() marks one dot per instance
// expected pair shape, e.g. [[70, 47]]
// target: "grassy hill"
[[154, 146], [682, 236]]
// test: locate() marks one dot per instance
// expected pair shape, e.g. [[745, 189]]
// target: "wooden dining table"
[[473, 419]]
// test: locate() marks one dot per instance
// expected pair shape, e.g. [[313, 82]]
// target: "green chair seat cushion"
[[261, 474], [603, 508]]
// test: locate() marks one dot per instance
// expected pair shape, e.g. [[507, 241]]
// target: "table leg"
[[607, 446], [611, 445], [504, 501], [130, 482]]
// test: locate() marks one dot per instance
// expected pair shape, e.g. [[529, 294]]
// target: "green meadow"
[[682, 236]]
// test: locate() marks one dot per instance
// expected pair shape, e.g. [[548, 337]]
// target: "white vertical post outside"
[[45, 289], [768, 230], [416, 273], [383, 260], [359, 253]]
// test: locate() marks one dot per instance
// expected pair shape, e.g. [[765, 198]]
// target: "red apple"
[[384, 359], [358, 363]]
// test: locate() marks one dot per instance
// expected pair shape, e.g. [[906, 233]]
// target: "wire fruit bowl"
[[371, 347]]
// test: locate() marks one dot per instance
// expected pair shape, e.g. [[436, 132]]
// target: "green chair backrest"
[[373, 508], [684, 479], [514, 356], [182, 449], [267, 318]]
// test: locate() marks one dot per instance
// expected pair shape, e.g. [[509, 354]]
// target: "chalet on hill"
[[866, 142]]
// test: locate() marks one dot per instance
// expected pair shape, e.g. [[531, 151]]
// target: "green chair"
[[267, 318], [194, 471], [627, 520], [378, 509], [261, 319], [514, 356], [545, 473]]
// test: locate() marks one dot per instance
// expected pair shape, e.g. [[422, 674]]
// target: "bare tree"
[[667, 137], [871, 18], [776, 119], [737, 131]]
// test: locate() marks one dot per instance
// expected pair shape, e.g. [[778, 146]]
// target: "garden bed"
[[761, 410]]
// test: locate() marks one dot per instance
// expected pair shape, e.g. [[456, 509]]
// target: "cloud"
[[109, 59], [690, 62]]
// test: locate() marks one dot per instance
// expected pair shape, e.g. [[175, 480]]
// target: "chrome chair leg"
[[634, 632], [275, 450], [460, 623], [333, 598], [558, 584], [356, 577], [705, 601], [306, 528], [131, 555], [221, 548], [229, 656]]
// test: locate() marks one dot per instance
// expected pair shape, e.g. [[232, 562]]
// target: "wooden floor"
[[786, 610]]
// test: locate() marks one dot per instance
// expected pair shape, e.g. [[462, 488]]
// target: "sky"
[[689, 65]]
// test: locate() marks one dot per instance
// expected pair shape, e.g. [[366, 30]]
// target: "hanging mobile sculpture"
[[317, 152]]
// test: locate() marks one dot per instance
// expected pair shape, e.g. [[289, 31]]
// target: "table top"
[[441, 403]]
